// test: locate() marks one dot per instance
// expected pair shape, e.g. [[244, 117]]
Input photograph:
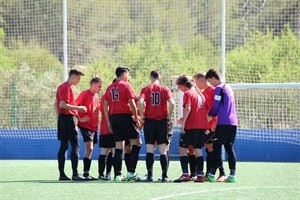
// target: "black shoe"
[[64, 178], [165, 179], [78, 178], [88, 177], [146, 178]]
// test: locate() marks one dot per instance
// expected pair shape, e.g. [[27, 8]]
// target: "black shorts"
[[124, 127], [193, 137], [209, 137], [107, 141], [88, 135], [66, 127], [225, 134], [156, 131]]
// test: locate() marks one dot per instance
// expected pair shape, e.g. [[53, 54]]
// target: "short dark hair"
[[213, 73], [75, 72], [185, 81], [199, 75], [155, 74], [120, 70], [95, 80]]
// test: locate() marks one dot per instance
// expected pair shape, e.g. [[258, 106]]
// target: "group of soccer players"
[[209, 120]]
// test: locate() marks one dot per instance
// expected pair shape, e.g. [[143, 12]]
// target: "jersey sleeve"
[[217, 99]]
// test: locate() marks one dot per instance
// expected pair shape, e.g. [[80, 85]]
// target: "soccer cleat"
[[221, 178], [88, 177], [193, 177], [107, 176], [199, 179], [119, 178], [211, 178], [64, 178], [78, 178], [182, 178], [165, 179], [146, 178], [231, 179], [132, 177]]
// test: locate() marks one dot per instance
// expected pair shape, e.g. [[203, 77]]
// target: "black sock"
[[193, 164], [184, 162], [118, 162], [168, 157], [208, 161], [101, 164], [134, 157], [109, 163], [164, 165], [149, 163], [61, 157], [200, 162], [127, 160], [86, 165], [74, 156]]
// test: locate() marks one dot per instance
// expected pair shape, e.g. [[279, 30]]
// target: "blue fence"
[[250, 145]]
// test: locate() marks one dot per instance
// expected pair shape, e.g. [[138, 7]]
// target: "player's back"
[[156, 98], [118, 95]]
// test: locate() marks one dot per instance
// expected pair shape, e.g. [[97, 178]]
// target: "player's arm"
[[186, 112], [215, 106], [141, 108], [64, 105], [171, 107], [106, 114], [133, 108], [55, 108]]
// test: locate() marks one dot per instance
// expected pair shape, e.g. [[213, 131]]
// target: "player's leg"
[[184, 142], [62, 130], [61, 160], [163, 142], [219, 140], [75, 159], [102, 163], [109, 162], [199, 138], [192, 163], [127, 150], [119, 138], [89, 138], [231, 154]]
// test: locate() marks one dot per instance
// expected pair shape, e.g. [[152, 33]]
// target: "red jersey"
[[209, 96], [197, 118], [156, 98], [91, 102], [103, 123], [118, 95], [65, 93]]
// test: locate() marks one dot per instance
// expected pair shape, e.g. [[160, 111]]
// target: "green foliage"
[[265, 58]]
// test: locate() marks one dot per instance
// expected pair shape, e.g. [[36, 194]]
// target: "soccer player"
[[123, 121], [156, 106], [107, 145], [224, 108], [88, 128], [208, 92], [67, 111], [194, 125]]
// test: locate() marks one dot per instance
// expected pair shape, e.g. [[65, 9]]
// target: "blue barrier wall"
[[250, 145]]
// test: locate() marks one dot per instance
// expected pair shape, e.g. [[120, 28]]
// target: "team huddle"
[[209, 121]]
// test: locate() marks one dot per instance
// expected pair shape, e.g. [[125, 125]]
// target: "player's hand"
[[179, 121], [209, 118], [182, 129], [110, 128], [82, 109], [84, 119]]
